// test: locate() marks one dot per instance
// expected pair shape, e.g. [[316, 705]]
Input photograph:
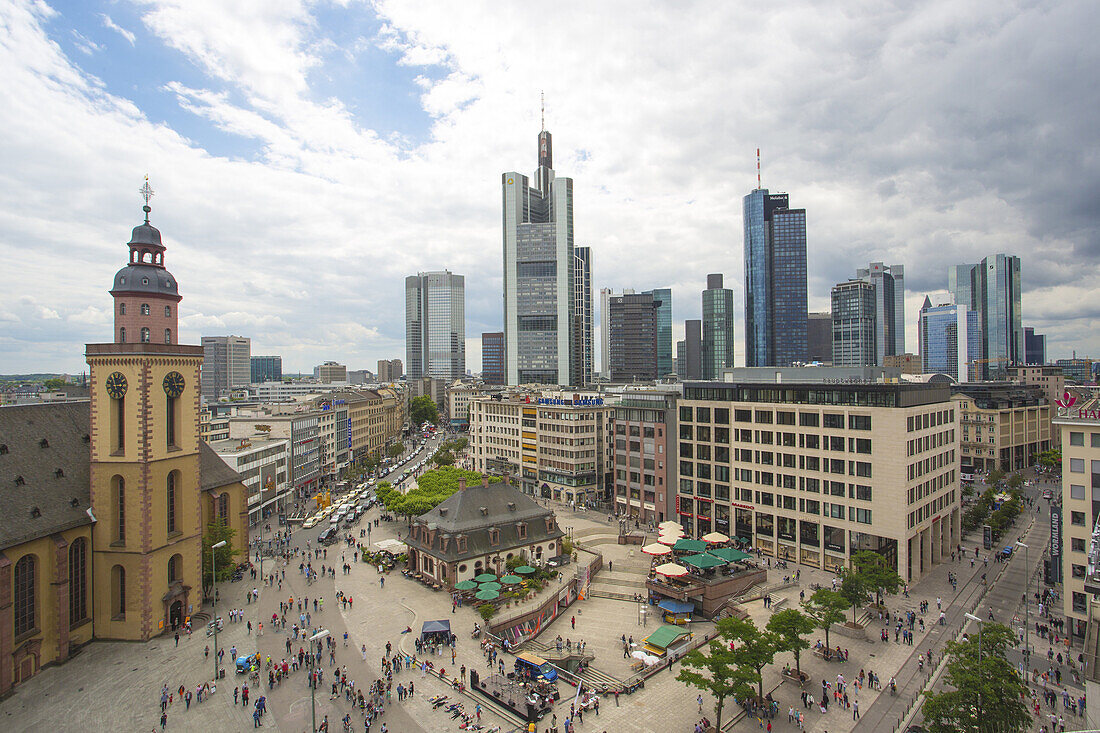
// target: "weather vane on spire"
[[146, 193]]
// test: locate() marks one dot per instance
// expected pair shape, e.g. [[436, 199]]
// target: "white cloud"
[[924, 135], [108, 23]]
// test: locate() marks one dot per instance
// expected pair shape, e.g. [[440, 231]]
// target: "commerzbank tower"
[[547, 280]]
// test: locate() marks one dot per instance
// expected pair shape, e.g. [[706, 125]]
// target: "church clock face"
[[116, 385], [173, 384]]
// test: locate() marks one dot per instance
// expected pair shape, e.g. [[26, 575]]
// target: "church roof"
[[45, 470]]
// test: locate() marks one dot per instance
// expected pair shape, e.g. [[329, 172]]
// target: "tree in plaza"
[[854, 591], [422, 410], [825, 607], [995, 476], [395, 450], [217, 531], [752, 648], [1051, 459], [789, 626], [443, 458], [877, 575], [987, 696], [717, 671]]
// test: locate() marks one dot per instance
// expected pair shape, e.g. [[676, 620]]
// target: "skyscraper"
[[226, 363], [266, 369], [949, 339], [1035, 346], [633, 328], [889, 282], [819, 337], [689, 352], [854, 324], [492, 357], [775, 280], [582, 298], [539, 271], [663, 298], [435, 325], [606, 294], [390, 370], [992, 289], [717, 353]]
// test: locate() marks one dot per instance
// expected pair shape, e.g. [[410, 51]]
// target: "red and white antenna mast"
[[758, 168]]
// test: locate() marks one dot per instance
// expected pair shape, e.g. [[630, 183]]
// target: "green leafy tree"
[[789, 626], [717, 671], [825, 607], [986, 696], [1051, 459], [443, 458], [1015, 481], [54, 383], [395, 450], [995, 476], [217, 531], [486, 611], [854, 591], [876, 574], [422, 410], [752, 648]]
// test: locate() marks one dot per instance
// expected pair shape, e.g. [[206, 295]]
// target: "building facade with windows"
[[663, 298], [992, 289], [1048, 378], [950, 341], [300, 427], [632, 330], [645, 454], [717, 346], [264, 465], [854, 327], [812, 473], [554, 445], [492, 357], [389, 370], [331, 372], [1004, 425], [266, 369], [889, 283], [226, 364], [435, 325], [1079, 514]]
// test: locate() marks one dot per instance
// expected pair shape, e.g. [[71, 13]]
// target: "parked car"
[[328, 536]]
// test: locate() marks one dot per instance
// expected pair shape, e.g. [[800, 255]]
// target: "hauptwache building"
[[104, 502]]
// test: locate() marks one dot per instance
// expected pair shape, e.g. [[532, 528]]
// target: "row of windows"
[[833, 421], [1078, 439], [146, 335], [145, 310], [25, 596], [930, 420]]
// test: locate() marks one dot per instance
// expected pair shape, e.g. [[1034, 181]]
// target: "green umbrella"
[[490, 586], [511, 579], [466, 585], [524, 570], [728, 554], [686, 545], [487, 595], [485, 578], [703, 561]]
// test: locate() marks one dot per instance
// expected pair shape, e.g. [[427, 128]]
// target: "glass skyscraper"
[[950, 340], [582, 297], [889, 282], [991, 288], [718, 335], [775, 280], [540, 266], [664, 330], [435, 325]]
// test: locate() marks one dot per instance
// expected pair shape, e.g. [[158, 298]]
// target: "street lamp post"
[[1027, 604], [313, 671], [214, 582], [972, 617]]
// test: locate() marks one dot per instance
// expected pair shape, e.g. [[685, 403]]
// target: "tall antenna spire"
[[758, 169], [542, 104]]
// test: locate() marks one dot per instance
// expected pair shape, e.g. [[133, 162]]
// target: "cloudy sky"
[[306, 156]]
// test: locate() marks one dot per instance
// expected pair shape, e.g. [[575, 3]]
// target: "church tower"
[[145, 453]]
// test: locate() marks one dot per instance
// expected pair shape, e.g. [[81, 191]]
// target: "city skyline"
[[272, 156]]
